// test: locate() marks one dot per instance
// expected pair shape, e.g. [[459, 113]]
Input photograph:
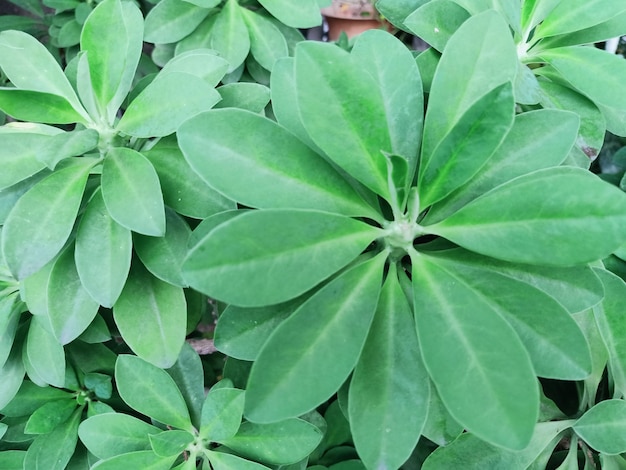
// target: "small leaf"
[[224, 461], [203, 63], [249, 96], [150, 315], [221, 414], [603, 427], [132, 193], [144, 459], [18, 155], [45, 354], [564, 19], [305, 14], [171, 20], [188, 374], [255, 258], [170, 443], [267, 44], [151, 391], [229, 35], [27, 105], [435, 22], [68, 144], [12, 373], [50, 415], [54, 450]]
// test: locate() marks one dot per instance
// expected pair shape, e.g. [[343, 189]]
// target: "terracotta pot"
[[351, 18]]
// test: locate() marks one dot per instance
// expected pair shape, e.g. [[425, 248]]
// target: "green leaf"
[[267, 44], [304, 14], [170, 443], [30, 397], [110, 434], [10, 314], [68, 144], [483, 53], [12, 373], [535, 11], [163, 256], [18, 156], [145, 459], [468, 146], [440, 427], [132, 193], [309, 356], [151, 391], [265, 167], [54, 450], [30, 66], [250, 96], [221, 414], [183, 190], [50, 415], [229, 35], [465, 361], [280, 443], [611, 28], [42, 220], [166, 103], [436, 21], [342, 111], [578, 15], [150, 315], [70, 307], [223, 461], [568, 226], [171, 20], [112, 36], [255, 259], [103, 252], [45, 354], [36, 106], [203, 63], [603, 427], [188, 374], [390, 388], [12, 459]]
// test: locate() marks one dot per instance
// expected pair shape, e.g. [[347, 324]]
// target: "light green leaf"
[[229, 35], [343, 112], [183, 190], [603, 427], [436, 21], [282, 443], [18, 156], [171, 20], [304, 14], [12, 373], [12, 459], [30, 397], [223, 461], [36, 106], [267, 44], [132, 193], [30, 66], [255, 259], [577, 15], [103, 252], [42, 219], [465, 361], [188, 374], [166, 103], [483, 53], [170, 443], [53, 451], [45, 354], [144, 459], [535, 11], [203, 63], [440, 427], [70, 307], [112, 36], [581, 219], [68, 144], [309, 356], [265, 167], [150, 315], [390, 388], [110, 434], [612, 28], [11, 310], [50, 415], [151, 391], [251, 96], [221, 414], [468, 146]]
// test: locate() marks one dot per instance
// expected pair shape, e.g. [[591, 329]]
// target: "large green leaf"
[[309, 356], [479, 57], [50, 415], [171, 20], [151, 391], [36, 106], [112, 36], [53, 451], [151, 316], [436, 21], [45, 354], [282, 443], [390, 388], [558, 216], [221, 414], [603, 427], [103, 252], [166, 103], [70, 307], [110, 434], [578, 14], [468, 146], [30, 66], [229, 35], [265, 166], [267, 44], [18, 156], [343, 112], [304, 14], [256, 258], [42, 219], [132, 193], [466, 345]]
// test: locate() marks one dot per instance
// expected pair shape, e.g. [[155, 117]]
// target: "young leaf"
[[54, 450], [110, 434], [103, 252], [266, 167], [305, 14], [42, 220], [253, 97], [170, 443], [221, 414], [50, 415], [390, 388], [18, 155], [578, 15], [603, 427], [440, 427], [45, 354], [267, 44], [171, 20], [436, 21], [132, 193], [462, 359], [68, 144], [255, 259], [224, 461], [144, 459], [151, 391], [188, 374], [203, 63], [280, 443], [36, 106], [12, 373], [518, 221], [150, 315], [311, 354], [10, 314], [12, 459], [229, 35]]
